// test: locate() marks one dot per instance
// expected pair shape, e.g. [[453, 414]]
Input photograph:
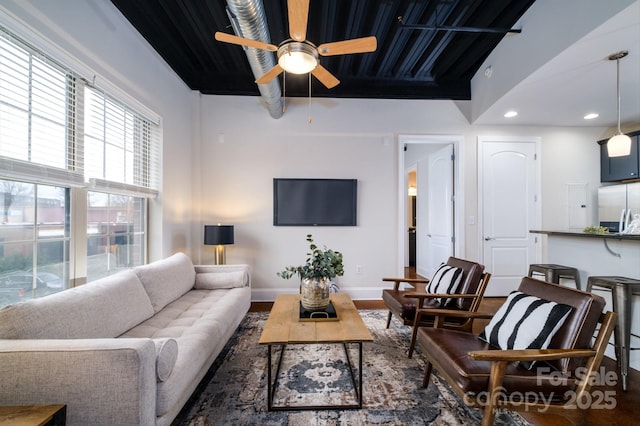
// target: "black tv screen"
[[315, 202]]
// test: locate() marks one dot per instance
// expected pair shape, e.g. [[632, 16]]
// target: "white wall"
[[221, 153], [243, 149]]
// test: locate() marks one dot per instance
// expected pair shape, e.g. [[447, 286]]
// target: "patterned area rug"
[[234, 393]]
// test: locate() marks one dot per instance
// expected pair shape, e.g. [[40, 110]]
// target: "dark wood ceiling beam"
[[441, 42], [182, 27], [354, 28], [154, 27], [398, 43], [202, 18], [225, 57], [381, 28]]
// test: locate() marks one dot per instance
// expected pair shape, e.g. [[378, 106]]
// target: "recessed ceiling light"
[[591, 116], [510, 114]]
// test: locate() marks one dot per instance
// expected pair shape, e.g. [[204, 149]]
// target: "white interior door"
[[436, 232], [509, 192]]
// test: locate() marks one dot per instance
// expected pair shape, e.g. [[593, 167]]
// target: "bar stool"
[[552, 272], [621, 290]]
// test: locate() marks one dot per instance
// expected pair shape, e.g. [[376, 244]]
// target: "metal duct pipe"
[[249, 21]]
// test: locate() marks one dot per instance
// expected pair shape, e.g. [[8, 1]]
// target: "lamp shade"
[[218, 234], [619, 146]]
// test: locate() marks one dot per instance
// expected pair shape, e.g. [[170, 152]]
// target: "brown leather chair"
[[492, 379], [405, 303]]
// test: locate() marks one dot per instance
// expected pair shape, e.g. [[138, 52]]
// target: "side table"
[[40, 415]]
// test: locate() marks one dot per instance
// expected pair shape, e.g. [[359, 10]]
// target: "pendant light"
[[620, 144]]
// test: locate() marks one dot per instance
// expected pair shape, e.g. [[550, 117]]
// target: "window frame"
[[73, 176]]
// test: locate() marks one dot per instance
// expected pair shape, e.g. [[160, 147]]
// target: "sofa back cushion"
[[103, 308], [167, 279]]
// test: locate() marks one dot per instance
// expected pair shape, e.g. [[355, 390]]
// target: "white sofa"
[[128, 349]]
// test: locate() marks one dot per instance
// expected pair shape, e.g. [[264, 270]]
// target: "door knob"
[[429, 235], [489, 238]]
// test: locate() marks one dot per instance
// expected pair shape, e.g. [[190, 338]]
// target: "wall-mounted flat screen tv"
[[315, 202]]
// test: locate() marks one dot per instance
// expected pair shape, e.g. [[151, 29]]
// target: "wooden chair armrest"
[[407, 280], [416, 295], [453, 313], [530, 354], [413, 282], [441, 314]]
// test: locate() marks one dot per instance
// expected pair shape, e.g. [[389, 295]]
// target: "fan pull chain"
[[309, 119], [284, 91]]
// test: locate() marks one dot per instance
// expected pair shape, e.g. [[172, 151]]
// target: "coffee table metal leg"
[[360, 394], [272, 383], [271, 387], [269, 390], [357, 386]]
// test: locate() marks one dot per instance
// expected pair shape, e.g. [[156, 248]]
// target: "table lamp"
[[219, 236]]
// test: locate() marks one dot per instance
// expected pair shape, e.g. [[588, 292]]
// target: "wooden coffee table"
[[41, 415], [283, 327]]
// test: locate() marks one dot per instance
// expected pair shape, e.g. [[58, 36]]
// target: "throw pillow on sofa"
[[166, 356], [218, 280]]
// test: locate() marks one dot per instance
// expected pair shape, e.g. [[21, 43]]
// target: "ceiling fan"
[[298, 55]]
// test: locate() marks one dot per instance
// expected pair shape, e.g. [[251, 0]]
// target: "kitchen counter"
[[598, 255], [631, 237]]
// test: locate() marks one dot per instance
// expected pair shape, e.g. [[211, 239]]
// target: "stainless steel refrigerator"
[[617, 205]]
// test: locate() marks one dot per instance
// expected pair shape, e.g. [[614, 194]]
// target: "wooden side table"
[[36, 415]]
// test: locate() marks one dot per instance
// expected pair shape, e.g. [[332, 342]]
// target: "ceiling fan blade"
[[230, 38], [356, 45], [270, 75], [298, 16], [325, 77]]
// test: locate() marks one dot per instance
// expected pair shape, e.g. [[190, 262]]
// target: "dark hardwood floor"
[[627, 404]]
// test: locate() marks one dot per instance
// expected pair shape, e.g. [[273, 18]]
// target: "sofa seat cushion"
[[449, 350], [103, 308], [167, 279], [201, 322]]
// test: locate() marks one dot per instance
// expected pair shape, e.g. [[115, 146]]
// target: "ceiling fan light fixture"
[[297, 57], [620, 144]]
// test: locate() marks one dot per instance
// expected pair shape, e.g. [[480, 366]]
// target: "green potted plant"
[[321, 266]]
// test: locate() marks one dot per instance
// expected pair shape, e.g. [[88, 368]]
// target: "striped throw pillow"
[[525, 322], [446, 280]]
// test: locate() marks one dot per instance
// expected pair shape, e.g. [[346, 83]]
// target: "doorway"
[[412, 208], [414, 154]]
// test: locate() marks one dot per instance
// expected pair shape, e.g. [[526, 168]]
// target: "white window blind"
[[56, 127], [37, 115], [120, 146]]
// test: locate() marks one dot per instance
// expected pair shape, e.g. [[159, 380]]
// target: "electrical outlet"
[[358, 269]]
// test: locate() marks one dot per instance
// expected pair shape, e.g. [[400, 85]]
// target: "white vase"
[[314, 293]]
